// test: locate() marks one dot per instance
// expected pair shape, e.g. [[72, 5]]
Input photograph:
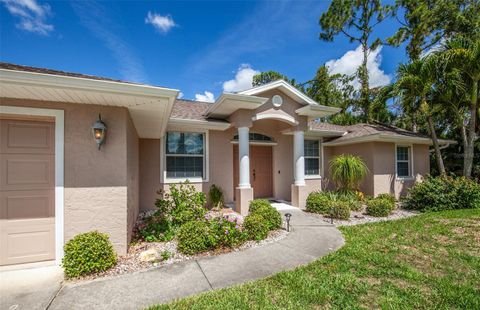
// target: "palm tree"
[[415, 84], [347, 171], [464, 55]]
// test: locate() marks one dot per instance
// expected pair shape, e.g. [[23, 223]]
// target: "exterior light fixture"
[[287, 218], [99, 130]]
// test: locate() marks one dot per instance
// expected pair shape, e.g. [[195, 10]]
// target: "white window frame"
[[163, 159], [320, 159], [410, 162]]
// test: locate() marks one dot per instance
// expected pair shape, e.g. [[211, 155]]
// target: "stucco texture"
[[100, 186]]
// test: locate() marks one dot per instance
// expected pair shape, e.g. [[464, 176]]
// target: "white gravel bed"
[[360, 217]]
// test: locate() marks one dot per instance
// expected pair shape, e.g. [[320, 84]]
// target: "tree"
[[356, 20], [463, 55], [347, 171], [415, 84], [271, 76]]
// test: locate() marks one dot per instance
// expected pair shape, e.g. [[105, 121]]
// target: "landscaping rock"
[[149, 256]]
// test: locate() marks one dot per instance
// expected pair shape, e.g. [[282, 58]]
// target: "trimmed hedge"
[[340, 210], [255, 227], [319, 202], [271, 216], [380, 206], [195, 237], [88, 253]]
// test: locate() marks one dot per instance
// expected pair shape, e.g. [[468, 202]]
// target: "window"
[[185, 155], [403, 162], [312, 157], [256, 137]]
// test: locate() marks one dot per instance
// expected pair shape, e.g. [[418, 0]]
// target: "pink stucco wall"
[[100, 185]]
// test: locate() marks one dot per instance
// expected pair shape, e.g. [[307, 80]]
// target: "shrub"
[[215, 195], [319, 202], [380, 206], [157, 229], [443, 193], [340, 210], [255, 227], [389, 197], [166, 255], [271, 216], [88, 253], [195, 237], [227, 232], [347, 171]]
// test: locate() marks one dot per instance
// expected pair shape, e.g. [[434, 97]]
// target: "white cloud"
[[33, 16], [348, 64], [180, 95], [207, 97], [243, 79], [161, 23]]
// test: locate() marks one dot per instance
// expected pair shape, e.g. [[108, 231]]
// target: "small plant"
[[227, 232], [347, 171], [215, 195], [389, 197], [88, 253], [340, 210], [319, 202], [157, 229], [255, 227], [166, 255], [271, 216], [380, 207], [195, 237]]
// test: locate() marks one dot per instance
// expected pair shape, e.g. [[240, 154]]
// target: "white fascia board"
[[228, 103], [316, 111], [387, 138], [284, 86], [199, 124], [69, 82]]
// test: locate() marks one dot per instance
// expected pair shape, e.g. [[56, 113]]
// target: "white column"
[[298, 158], [243, 157]]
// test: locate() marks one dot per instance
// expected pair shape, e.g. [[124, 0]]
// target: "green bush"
[[340, 210], [157, 229], [319, 202], [215, 195], [88, 253], [347, 171], [271, 216], [389, 197], [380, 206], [255, 227], [227, 232], [443, 193], [195, 237]]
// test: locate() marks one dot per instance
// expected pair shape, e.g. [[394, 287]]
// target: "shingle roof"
[[326, 126], [15, 67], [189, 109]]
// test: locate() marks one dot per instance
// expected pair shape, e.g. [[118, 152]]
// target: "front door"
[[27, 191], [261, 171]]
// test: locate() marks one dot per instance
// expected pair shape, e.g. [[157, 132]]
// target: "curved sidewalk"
[[309, 239]]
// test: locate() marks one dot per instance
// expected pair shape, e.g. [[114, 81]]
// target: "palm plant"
[[347, 172], [416, 85], [215, 196], [463, 55]]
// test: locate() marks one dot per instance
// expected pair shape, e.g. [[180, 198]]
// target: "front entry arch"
[[261, 170]]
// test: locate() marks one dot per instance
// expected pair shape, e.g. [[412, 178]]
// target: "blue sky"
[[193, 46]]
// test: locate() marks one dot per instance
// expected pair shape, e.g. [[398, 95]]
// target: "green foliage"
[[324, 202], [380, 207], [215, 196], [255, 227], [271, 76], [443, 193], [195, 237], [227, 232], [340, 210], [271, 216], [88, 253], [389, 197], [166, 255], [318, 202], [157, 229], [347, 171]]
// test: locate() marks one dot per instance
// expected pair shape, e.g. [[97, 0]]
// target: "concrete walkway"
[[309, 239]]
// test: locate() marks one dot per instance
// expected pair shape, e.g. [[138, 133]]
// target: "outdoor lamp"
[[99, 130], [287, 218]]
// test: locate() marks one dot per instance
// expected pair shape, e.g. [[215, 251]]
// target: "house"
[[58, 181]]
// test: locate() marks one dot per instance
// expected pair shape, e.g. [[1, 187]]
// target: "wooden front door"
[[27, 191], [261, 171]]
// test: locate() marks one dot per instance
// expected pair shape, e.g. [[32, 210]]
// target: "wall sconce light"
[[287, 218], [99, 130]]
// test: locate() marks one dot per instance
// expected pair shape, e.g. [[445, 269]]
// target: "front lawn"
[[427, 261]]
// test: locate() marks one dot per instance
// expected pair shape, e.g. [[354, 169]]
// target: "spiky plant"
[[347, 171]]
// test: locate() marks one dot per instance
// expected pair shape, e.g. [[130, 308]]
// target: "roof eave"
[[388, 138], [221, 109]]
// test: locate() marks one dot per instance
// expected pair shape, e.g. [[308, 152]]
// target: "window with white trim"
[[311, 149], [404, 165], [185, 155]]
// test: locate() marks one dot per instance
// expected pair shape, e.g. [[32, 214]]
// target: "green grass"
[[425, 262]]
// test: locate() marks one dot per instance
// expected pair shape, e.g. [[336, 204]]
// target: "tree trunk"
[[363, 74], [438, 153], [469, 149]]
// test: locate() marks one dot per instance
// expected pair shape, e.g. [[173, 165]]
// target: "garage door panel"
[[27, 241], [31, 137], [23, 171], [27, 204]]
